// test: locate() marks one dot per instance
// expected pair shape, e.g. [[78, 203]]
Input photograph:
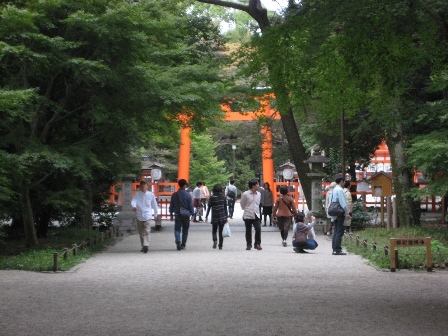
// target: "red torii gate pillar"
[[183, 171], [266, 146]]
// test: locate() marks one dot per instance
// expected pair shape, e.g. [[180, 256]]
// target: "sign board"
[[409, 242]]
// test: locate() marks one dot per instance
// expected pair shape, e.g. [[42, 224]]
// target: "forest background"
[[88, 88]]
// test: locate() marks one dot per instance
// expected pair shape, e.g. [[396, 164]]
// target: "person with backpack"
[[302, 240], [231, 193], [284, 210], [181, 206]]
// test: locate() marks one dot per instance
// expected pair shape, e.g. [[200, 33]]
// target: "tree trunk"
[[27, 215], [87, 221], [298, 152], [402, 179]]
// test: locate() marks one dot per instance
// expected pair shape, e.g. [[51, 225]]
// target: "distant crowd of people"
[[255, 203]]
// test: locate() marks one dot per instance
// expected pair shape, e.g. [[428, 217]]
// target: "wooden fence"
[[111, 232]]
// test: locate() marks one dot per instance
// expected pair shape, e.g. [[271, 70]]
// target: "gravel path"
[[201, 291]]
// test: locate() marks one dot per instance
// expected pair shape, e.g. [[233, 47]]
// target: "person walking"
[[250, 203], [218, 206], [144, 203], [205, 195], [268, 202], [181, 206], [197, 202], [338, 196], [231, 192], [327, 204], [284, 210]]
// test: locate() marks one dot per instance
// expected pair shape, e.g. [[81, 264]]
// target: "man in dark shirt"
[[181, 206]]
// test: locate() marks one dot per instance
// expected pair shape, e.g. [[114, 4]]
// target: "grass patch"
[[14, 255], [410, 258]]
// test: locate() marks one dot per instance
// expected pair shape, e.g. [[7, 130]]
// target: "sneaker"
[[178, 246], [220, 247], [328, 233], [182, 247], [145, 249], [302, 251], [214, 244], [248, 247], [258, 247], [339, 253], [285, 243]]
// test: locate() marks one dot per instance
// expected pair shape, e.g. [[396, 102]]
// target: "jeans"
[[338, 232], [215, 228], [231, 204], [181, 224], [257, 226]]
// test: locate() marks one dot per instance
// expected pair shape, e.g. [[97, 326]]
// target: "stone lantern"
[[126, 217], [316, 162]]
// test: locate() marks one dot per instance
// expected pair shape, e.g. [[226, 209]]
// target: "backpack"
[[230, 193]]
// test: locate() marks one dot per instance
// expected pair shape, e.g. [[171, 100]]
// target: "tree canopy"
[[83, 83]]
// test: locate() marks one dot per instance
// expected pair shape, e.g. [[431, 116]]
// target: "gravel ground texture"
[[205, 291]]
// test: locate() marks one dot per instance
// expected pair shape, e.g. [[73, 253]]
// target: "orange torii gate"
[[265, 110]]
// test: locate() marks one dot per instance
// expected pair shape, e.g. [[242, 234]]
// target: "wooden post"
[[55, 261], [65, 253], [389, 212], [374, 247], [394, 213], [382, 210], [75, 249], [357, 241], [365, 244]]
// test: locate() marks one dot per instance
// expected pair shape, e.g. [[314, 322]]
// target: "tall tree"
[[82, 83], [279, 86]]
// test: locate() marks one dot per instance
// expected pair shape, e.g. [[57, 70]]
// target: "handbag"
[[226, 231], [335, 209]]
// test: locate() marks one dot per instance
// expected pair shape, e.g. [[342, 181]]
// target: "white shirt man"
[[144, 203], [250, 203]]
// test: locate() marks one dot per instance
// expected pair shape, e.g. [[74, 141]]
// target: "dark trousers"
[[338, 232], [257, 226], [231, 204], [181, 225], [215, 233]]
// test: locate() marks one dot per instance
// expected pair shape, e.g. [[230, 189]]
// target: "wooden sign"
[[409, 242]]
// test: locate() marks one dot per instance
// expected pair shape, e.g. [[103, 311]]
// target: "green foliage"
[[15, 257], [84, 83], [204, 165], [412, 258], [360, 217]]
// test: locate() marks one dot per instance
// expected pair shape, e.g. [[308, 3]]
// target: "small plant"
[[360, 217]]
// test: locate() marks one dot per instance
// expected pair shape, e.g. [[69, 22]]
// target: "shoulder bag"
[[335, 209]]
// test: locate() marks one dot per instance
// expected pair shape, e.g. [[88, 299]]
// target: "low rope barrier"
[[366, 244], [374, 245], [111, 232]]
